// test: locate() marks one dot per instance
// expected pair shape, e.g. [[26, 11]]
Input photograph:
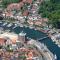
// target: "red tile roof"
[[30, 54], [29, 58], [15, 6], [2, 41], [28, 1], [13, 41], [9, 14], [25, 13]]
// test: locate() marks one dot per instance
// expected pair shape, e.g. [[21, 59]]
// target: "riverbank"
[[23, 25], [32, 44], [31, 27], [55, 38], [35, 34], [46, 53], [47, 32]]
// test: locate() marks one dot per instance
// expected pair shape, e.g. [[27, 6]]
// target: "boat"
[[35, 29], [25, 26], [15, 26], [58, 45], [31, 27], [4, 24], [9, 25], [21, 25], [55, 57]]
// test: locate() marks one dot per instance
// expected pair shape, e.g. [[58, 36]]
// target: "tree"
[[51, 9], [22, 57], [1, 47], [6, 2]]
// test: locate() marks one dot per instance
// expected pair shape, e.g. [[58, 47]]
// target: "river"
[[35, 35]]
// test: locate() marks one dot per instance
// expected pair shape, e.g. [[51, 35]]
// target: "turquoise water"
[[35, 35]]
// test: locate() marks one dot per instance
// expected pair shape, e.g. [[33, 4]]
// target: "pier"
[[42, 38]]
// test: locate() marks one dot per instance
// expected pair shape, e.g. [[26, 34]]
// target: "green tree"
[[6, 2], [22, 57], [51, 9]]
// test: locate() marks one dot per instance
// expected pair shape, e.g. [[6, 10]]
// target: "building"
[[37, 21], [27, 1], [21, 37], [16, 6], [10, 37], [2, 41], [21, 19], [25, 13]]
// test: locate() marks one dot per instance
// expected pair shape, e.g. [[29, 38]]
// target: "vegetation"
[[1, 47], [22, 57], [6, 2], [25, 7], [51, 9], [8, 48]]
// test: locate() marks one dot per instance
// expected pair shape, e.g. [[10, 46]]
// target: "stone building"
[[21, 37]]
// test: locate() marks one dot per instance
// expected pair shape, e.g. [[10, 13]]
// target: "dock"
[[42, 38]]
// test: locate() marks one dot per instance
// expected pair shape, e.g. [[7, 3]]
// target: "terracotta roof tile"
[[9, 14], [2, 41], [25, 13], [15, 6], [28, 1]]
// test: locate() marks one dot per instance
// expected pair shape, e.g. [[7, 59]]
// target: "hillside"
[[51, 10]]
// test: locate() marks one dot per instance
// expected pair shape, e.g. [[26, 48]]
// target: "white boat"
[[28, 38], [15, 26], [9, 25], [25, 26], [30, 27], [4, 24], [58, 45], [21, 25], [35, 29], [55, 57]]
